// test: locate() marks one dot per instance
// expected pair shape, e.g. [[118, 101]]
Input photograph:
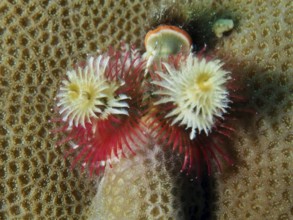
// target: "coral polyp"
[[196, 91], [100, 104], [190, 111], [86, 94]]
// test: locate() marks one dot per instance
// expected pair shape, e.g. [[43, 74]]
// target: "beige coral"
[[261, 185], [148, 186], [40, 40]]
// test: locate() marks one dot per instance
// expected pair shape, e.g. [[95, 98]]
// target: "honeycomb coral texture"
[[40, 40], [260, 187], [154, 189]]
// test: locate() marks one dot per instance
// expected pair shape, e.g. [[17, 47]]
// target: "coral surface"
[[41, 40], [260, 186], [149, 186]]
